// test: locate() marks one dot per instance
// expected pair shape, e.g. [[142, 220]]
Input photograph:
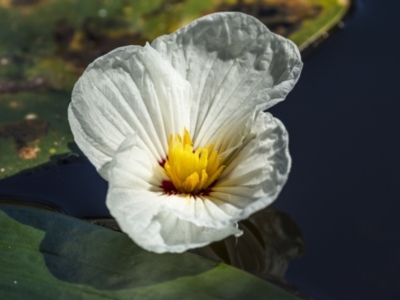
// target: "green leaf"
[[45, 255], [34, 129]]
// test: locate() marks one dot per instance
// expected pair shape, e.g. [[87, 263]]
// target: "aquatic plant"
[[178, 129]]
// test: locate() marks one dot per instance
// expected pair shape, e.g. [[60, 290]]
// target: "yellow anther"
[[191, 172]]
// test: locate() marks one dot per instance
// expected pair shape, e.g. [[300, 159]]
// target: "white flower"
[[178, 129]]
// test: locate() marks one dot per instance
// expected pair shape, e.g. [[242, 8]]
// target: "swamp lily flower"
[[177, 128]]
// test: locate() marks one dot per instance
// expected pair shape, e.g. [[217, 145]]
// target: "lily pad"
[[33, 128], [46, 255]]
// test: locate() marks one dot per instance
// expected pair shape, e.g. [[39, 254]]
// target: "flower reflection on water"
[[178, 129]]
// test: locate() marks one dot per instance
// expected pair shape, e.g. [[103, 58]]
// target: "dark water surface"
[[344, 187], [343, 191]]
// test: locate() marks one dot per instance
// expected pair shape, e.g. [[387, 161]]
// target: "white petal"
[[234, 64], [131, 89], [200, 211], [256, 175], [135, 168], [137, 203], [257, 167], [179, 235]]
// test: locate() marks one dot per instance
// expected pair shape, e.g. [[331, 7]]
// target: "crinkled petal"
[[129, 90], [137, 203], [257, 167], [199, 210], [256, 175], [179, 235], [234, 64]]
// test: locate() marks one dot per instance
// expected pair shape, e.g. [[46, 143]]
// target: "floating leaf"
[[46, 255], [270, 240], [33, 128]]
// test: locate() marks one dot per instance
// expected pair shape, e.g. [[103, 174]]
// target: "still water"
[[343, 190], [344, 125]]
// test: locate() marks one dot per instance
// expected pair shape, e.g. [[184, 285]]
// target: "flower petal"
[[256, 175], [234, 64], [257, 167], [137, 203], [131, 89], [199, 210]]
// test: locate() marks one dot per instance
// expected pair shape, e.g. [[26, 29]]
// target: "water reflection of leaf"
[[270, 240]]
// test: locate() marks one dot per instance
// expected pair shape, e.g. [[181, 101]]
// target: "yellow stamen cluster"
[[191, 171]]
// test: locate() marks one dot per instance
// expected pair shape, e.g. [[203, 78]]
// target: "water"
[[343, 190]]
